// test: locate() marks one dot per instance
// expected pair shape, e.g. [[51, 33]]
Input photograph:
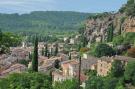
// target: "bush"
[[26, 81], [103, 50]]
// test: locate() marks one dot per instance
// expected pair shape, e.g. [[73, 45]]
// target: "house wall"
[[103, 67]]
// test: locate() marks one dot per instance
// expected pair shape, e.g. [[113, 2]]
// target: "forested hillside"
[[40, 21]]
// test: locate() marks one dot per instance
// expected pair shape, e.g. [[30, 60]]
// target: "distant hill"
[[39, 21]]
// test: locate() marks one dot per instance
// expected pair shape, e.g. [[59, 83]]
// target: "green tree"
[[42, 51], [130, 8], [94, 82], [46, 50], [1, 35], [129, 73], [26, 81], [35, 56], [118, 40], [56, 50], [57, 64], [110, 33], [110, 83], [117, 69], [67, 84], [103, 50], [70, 56]]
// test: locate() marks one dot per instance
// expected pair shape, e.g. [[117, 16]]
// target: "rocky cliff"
[[96, 28], [129, 24], [123, 21]]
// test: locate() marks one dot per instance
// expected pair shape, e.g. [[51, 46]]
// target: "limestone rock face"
[[129, 24], [96, 29]]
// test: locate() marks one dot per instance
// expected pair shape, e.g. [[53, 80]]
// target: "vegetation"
[[46, 50], [129, 8], [26, 81], [103, 50], [67, 84], [69, 56], [35, 57], [118, 77], [57, 64], [56, 50], [129, 73], [43, 21], [118, 40], [110, 33], [117, 69], [8, 40]]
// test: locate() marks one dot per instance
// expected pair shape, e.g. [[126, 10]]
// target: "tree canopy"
[[103, 50], [26, 81]]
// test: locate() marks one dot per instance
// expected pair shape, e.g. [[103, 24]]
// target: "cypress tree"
[[46, 50], [51, 53], [70, 56], [56, 50], [0, 35], [110, 33], [48, 55], [35, 56], [42, 51], [57, 64]]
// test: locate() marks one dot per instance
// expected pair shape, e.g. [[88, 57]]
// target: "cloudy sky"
[[26, 6]]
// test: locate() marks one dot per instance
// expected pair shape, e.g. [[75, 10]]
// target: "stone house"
[[70, 67], [58, 76], [16, 68], [104, 64]]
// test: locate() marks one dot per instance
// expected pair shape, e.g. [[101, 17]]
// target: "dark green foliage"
[[110, 33], [99, 15], [117, 69], [56, 50], [48, 55], [82, 29], [24, 62], [42, 37], [57, 64], [95, 82], [103, 50], [42, 52], [8, 40], [35, 57], [83, 41], [129, 73], [67, 84], [30, 56], [129, 8], [129, 38], [70, 56], [26, 81], [46, 50], [43, 21], [51, 53], [110, 83], [0, 35], [118, 40]]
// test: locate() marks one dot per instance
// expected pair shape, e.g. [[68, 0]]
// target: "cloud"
[[18, 2], [22, 6], [11, 2]]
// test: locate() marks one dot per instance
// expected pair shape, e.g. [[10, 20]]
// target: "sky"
[[90, 6]]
